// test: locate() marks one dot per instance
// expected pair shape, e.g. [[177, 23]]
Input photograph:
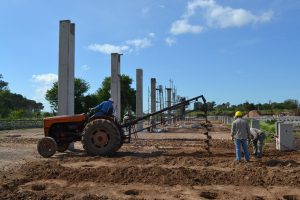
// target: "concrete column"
[[139, 97], [153, 95], [115, 84], [227, 120], [182, 109], [153, 101], [66, 68], [169, 90], [285, 137], [254, 123]]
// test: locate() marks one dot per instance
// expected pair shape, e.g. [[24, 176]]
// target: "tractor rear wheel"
[[101, 137], [47, 147]]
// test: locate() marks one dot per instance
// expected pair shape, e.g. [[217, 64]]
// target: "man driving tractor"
[[104, 109]]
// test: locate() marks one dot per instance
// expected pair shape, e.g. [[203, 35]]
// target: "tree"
[[248, 106], [103, 93], [290, 104], [80, 88], [211, 105], [90, 101], [52, 96], [84, 102], [15, 105], [3, 84]]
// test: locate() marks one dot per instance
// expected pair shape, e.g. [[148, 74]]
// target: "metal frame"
[[131, 124]]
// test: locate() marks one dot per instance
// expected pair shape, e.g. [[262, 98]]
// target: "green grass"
[[269, 129]]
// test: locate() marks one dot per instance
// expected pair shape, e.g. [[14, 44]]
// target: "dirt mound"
[[288, 163], [168, 170], [94, 197], [253, 113], [209, 195], [164, 168]]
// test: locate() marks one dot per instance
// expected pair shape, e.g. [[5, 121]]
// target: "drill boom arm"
[[176, 106]]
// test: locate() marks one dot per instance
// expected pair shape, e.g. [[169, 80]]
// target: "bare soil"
[[154, 166]]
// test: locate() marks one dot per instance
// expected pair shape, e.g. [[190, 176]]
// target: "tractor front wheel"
[[47, 147]]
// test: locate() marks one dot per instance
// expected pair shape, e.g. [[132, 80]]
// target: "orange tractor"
[[99, 135]]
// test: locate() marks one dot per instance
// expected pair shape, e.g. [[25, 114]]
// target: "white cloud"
[[45, 78], [182, 26], [224, 17], [170, 41], [139, 43], [108, 48], [127, 47], [43, 82], [216, 16]]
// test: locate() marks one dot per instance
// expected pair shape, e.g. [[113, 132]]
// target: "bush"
[[269, 128], [16, 114]]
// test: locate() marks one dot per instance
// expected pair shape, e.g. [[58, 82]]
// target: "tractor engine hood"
[[49, 121]]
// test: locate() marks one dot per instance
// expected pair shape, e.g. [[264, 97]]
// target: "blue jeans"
[[99, 114], [244, 143]]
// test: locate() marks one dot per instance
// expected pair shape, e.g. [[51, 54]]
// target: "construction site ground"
[[170, 165]]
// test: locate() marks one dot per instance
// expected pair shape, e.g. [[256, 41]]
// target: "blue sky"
[[229, 50]]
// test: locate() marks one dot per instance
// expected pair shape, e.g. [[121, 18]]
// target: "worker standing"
[[240, 133], [257, 137], [104, 109]]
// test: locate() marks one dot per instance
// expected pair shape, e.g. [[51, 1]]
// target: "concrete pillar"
[[66, 68], [139, 97], [285, 137], [227, 120], [153, 95], [169, 90], [153, 101], [182, 109], [115, 84], [254, 123]]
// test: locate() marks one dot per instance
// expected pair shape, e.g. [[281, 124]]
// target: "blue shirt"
[[105, 108]]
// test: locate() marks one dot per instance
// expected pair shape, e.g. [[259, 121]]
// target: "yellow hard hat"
[[238, 114]]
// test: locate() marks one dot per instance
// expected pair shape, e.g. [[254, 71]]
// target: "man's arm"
[[98, 107], [233, 130]]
